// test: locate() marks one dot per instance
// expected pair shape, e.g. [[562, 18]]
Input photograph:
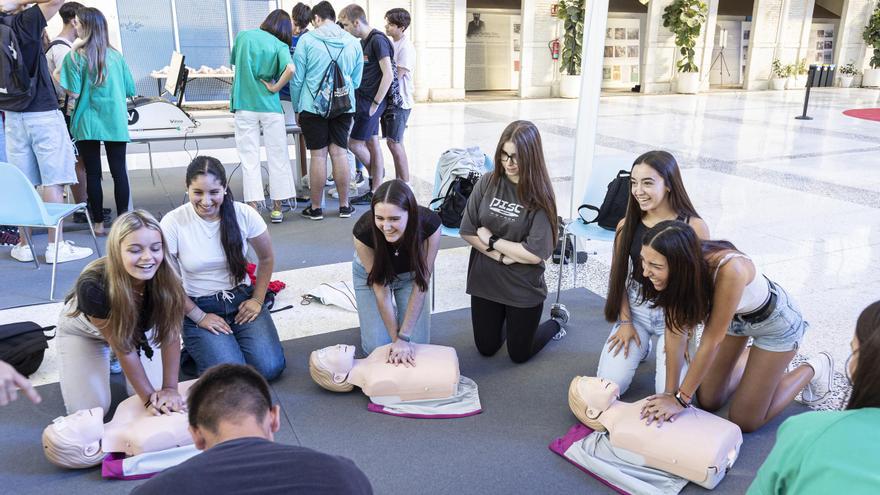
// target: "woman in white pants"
[[263, 66], [130, 302]]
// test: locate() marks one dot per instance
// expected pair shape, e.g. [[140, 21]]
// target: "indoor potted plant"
[[685, 18], [572, 14], [871, 35], [778, 75], [800, 74], [847, 73]]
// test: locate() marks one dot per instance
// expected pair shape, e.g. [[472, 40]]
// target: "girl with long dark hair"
[[209, 236], [511, 224], [129, 302], [657, 194], [713, 283], [97, 76], [396, 243], [833, 451]]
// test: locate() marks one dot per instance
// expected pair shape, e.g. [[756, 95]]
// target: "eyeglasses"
[[506, 158]]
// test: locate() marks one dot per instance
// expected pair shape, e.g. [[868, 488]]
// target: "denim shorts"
[[38, 144], [366, 126], [394, 123], [782, 331]]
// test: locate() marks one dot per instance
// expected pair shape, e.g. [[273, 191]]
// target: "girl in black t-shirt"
[[128, 301], [395, 244]]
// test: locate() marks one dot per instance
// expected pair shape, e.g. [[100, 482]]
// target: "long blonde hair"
[[164, 289], [93, 29]]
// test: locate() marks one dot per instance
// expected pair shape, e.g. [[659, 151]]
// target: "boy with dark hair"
[[232, 418], [394, 121], [370, 96]]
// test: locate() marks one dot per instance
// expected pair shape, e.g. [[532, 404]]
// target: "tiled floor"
[[801, 197]]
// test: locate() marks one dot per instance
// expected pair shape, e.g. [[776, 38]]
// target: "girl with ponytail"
[[226, 319]]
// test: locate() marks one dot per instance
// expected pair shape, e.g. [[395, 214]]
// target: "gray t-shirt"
[[497, 207]]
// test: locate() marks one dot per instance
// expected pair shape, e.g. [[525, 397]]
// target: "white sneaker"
[[823, 377], [305, 182], [22, 253], [66, 252], [334, 193]]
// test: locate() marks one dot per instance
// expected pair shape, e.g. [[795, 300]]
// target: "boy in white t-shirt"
[[209, 236], [394, 121]]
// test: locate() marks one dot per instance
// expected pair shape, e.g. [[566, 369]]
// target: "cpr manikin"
[[431, 388], [82, 440], [697, 446]]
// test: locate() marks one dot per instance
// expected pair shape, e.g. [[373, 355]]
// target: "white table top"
[[191, 75], [217, 127]]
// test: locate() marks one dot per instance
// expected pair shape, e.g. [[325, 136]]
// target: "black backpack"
[[455, 202], [332, 98], [22, 345], [17, 86], [613, 207]]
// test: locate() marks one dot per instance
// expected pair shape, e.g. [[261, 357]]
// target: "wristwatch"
[[492, 241], [405, 338], [680, 398]]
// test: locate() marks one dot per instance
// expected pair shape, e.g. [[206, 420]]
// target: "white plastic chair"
[[20, 205]]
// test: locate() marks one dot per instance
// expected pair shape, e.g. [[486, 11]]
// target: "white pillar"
[[595, 20], [848, 44]]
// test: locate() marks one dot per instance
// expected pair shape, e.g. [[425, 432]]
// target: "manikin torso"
[[697, 445], [435, 375], [134, 430]]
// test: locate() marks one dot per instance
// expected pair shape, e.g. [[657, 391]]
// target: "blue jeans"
[[782, 331], [255, 343], [373, 331]]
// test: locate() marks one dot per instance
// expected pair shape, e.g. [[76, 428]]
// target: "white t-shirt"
[[54, 58], [405, 56], [196, 245]]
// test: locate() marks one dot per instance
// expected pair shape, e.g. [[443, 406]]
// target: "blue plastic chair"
[[605, 169], [488, 166], [20, 205]]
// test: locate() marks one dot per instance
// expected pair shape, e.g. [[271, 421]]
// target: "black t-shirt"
[[429, 223], [376, 47], [257, 466], [28, 27], [92, 300]]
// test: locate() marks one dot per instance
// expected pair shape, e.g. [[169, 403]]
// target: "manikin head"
[[589, 397], [74, 441], [330, 366]]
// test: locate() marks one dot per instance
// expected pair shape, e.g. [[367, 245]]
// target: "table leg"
[[150, 155]]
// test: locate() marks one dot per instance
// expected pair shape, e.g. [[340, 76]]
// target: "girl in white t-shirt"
[[226, 321]]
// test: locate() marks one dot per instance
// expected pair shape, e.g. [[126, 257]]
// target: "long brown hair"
[[279, 25], [534, 189], [93, 29], [164, 289], [665, 165], [866, 379], [396, 192]]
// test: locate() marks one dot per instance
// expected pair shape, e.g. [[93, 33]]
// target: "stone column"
[[780, 29], [537, 70], [659, 46], [849, 45]]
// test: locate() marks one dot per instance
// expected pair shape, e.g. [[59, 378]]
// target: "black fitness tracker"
[[492, 241], [405, 338]]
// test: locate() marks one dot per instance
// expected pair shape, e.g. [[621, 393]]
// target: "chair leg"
[[54, 265], [92, 230], [574, 265], [433, 292], [27, 235]]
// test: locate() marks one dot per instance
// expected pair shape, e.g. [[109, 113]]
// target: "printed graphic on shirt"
[[507, 209]]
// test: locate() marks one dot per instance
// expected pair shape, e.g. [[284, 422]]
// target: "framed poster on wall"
[[821, 46], [620, 65]]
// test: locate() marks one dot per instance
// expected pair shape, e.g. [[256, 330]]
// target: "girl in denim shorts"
[[712, 283]]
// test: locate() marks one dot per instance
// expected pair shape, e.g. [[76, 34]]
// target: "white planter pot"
[[800, 82], [789, 82], [569, 86], [846, 81], [777, 84], [688, 83], [871, 78]]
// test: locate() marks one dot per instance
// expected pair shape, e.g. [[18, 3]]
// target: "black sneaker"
[[364, 199], [313, 213], [346, 211]]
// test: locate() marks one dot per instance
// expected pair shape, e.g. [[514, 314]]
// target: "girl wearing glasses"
[[511, 223]]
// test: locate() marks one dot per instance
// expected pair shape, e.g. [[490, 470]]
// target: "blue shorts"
[[782, 331], [39, 145], [366, 126], [394, 123]]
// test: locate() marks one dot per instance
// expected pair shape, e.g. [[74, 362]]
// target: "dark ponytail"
[[230, 234]]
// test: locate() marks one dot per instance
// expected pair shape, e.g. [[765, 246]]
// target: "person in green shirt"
[[97, 75], [833, 451], [263, 66]]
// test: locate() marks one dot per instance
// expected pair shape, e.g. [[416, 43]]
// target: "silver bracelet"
[[196, 315]]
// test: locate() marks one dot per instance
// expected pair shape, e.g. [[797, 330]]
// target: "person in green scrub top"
[[834, 451], [97, 75], [263, 66]]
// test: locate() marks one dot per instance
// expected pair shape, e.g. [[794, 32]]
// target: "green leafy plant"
[[871, 35], [685, 18], [572, 14], [800, 68], [848, 70], [777, 70]]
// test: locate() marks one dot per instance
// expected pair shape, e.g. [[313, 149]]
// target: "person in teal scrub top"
[[97, 75]]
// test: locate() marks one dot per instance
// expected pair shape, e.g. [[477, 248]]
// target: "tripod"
[[724, 66]]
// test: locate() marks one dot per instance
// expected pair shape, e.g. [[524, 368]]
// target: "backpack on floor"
[[17, 86], [332, 98], [22, 345], [454, 203], [613, 207]]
